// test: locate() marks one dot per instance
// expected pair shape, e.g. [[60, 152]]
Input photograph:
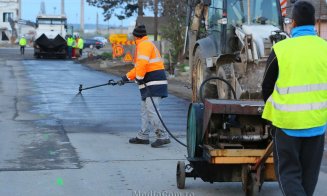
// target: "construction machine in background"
[[229, 42], [50, 36], [232, 39]]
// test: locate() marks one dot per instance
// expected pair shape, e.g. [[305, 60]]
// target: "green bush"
[[107, 55]]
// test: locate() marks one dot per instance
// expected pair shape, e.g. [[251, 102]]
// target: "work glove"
[[123, 80], [139, 82]]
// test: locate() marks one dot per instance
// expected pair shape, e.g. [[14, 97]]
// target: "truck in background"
[[50, 36]]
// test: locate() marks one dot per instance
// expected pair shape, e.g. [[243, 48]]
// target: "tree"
[[174, 32], [127, 7]]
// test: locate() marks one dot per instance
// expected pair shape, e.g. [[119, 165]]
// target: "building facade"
[[9, 9]]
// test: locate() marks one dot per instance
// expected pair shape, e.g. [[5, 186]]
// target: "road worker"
[[295, 91], [22, 43], [74, 46], [70, 42], [150, 75], [80, 45]]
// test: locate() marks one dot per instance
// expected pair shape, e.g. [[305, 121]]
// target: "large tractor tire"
[[200, 72]]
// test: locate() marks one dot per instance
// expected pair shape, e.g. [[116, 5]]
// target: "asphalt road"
[[57, 142]]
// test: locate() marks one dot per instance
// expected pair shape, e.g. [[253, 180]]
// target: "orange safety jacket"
[[149, 67]]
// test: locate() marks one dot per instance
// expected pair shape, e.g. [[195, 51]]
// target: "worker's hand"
[[139, 82], [123, 80], [120, 82]]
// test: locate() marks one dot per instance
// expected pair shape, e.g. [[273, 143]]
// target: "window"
[[215, 13], [262, 12], [7, 15]]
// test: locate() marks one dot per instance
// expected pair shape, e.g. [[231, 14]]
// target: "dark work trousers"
[[69, 52], [297, 162], [22, 50]]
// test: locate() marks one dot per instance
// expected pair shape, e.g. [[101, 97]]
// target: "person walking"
[[295, 91], [22, 43], [150, 75]]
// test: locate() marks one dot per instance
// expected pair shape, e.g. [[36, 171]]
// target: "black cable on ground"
[[111, 82], [162, 122]]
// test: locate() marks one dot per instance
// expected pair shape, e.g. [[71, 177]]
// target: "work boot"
[[136, 140], [160, 142]]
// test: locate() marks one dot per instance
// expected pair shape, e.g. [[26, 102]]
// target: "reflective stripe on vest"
[[154, 60], [301, 89], [153, 83], [299, 99], [298, 107], [143, 57]]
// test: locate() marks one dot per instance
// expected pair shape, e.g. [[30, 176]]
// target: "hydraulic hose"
[[216, 78], [201, 96], [162, 122], [112, 82]]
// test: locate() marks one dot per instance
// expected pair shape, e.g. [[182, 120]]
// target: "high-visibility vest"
[[70, 41], [75, 42], [80, 44], [299, 99], [149, 67], [22, 41]]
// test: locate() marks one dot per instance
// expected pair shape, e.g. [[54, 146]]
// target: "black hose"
[[112, 82], [215, 78], [162, 122]]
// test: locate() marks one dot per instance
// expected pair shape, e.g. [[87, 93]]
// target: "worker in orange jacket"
[[150, 75]]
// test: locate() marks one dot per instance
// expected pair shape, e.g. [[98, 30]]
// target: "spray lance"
[[110, 82]]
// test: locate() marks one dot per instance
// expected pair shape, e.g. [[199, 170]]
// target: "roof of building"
[[148, 22], [320, 6]]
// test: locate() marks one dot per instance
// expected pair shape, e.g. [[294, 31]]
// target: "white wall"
[[8, 6]]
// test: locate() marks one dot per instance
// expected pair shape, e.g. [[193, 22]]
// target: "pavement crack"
[[16, 114]]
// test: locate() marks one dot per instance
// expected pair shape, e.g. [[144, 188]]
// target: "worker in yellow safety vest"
[[70, 42], [295, 91], [22, 44], [150, 75], [80, 45]]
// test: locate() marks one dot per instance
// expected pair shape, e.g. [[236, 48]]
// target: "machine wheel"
[[199, 73], [194, 133], [180, 175]]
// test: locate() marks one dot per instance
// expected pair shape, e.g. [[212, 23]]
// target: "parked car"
[[90, 43], [101, 39]]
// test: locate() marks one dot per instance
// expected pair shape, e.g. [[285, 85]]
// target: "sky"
[[31, 8]]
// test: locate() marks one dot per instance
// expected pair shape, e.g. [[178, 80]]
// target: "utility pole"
[[140, 8], [19, 15], [155, 20], [82, 16], [42, 8], [62, 7], [19, 9], [97, 24]]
